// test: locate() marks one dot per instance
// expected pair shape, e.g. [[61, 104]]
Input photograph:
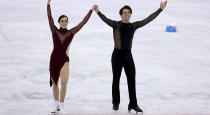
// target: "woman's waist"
[[55, 54]]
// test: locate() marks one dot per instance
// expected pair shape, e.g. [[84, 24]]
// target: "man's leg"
[[116, 69], [130, 73]]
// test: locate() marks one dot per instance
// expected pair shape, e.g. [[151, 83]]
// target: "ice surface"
[[172, 69]]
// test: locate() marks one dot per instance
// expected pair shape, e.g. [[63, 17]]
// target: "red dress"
[[61, 40]]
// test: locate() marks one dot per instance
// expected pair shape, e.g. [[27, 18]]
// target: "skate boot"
[[115, 107], [62, 110], [135, 108], [55, 107]]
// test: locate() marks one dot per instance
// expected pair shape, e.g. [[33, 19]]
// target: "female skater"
[[59, 61]]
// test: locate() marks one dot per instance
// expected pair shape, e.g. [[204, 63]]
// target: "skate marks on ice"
[[5, 75], [4, 35], [34, 79], [114, 113], [178, 95], [101, 72], [92, 70], [132, 113], [26, 85]]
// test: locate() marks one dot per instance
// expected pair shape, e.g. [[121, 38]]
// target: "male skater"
[[123, 32]]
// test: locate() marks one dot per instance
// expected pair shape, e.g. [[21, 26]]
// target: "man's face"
[[126, 14]]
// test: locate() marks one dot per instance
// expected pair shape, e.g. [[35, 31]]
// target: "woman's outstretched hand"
[[48, 1], [163, 5], [95, 7], [92, 8]]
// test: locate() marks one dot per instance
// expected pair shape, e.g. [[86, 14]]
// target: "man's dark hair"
[[62, 17], [125, 7]]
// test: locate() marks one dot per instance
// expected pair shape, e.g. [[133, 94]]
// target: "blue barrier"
[[170, 28]]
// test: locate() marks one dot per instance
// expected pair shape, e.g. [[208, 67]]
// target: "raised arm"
[[51, 22], [151, 17], [104, 18], [81, 24]]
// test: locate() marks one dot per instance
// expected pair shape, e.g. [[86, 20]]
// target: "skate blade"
[[54, 113]]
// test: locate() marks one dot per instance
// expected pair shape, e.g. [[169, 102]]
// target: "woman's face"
[[63, 22]]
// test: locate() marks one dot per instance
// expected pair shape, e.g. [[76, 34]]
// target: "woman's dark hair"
[[62, 17], [125, 7]]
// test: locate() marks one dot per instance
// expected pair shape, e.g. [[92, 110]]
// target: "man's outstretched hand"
[[48, 1], [95, 7], [163, 4]]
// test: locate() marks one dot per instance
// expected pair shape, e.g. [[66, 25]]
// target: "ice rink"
[[172, 69]]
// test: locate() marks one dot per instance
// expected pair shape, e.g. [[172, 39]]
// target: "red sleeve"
[[75, 29], [51, 22]]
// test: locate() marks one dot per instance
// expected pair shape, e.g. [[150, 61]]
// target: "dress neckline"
[[63, 29]]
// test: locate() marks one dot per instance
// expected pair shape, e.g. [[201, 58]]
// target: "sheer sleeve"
[[51, 22], [110, 22], [75, 29], [151, 17]]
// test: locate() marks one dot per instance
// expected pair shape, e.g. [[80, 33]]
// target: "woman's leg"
[[55, 90], [64, 76]]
